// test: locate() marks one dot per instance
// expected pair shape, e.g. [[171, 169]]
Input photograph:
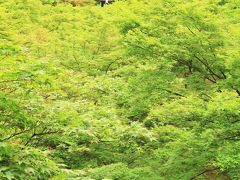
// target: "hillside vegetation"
[[136, 90]]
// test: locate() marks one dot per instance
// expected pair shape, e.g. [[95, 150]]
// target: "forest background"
[[136, 90]]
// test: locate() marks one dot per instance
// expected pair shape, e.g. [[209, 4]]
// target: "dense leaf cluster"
[[136, 90]]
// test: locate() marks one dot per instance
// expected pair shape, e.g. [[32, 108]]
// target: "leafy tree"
[[134, 90]]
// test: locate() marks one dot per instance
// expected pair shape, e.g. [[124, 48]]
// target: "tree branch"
[[44, 132], [15, 134], [203, 172], [109, 65], [175, 93]]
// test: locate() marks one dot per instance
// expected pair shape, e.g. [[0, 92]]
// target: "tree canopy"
[[136, 90]]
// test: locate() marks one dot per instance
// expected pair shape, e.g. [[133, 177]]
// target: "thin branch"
[[191, 31], [204, 172], [213, 81], [207, 66], [14, 135], [44, 132], [4, 57], [233, 137], [185, 63], [238, 92], [224, 75], [109, 65], [175, 93]]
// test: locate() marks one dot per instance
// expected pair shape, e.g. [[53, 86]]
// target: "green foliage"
[[24, 164], [135, 90]]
